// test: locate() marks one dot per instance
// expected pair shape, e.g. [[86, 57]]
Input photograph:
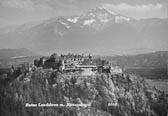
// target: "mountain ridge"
[[95, 31]]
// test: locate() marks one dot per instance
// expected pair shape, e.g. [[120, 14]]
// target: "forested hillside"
[[106, 94]]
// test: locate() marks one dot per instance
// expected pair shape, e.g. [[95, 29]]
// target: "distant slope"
[[10, 57], [150, 65], [7, 62], [154, 59], [15, 53]]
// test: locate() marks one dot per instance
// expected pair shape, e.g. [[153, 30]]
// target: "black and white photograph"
[[83, 57]]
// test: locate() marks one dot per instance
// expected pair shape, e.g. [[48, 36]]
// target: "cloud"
[[17, 3], [34, 3], [137, 11], [139, 8], [135, 2], [54, 4], [78, 4]]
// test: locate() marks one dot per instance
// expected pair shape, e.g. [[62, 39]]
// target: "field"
[[161, 84], [149, 72]]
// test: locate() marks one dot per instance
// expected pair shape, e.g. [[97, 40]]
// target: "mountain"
[[98, 31], [15, 53]]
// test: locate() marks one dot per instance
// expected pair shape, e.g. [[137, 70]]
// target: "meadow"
[[161, 84]]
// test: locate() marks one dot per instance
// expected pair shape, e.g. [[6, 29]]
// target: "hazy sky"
[[20, 11]]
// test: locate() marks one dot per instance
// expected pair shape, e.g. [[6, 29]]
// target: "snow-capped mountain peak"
[[104, 15], [97, 29], [64, 23], [89, 22], [120, 19], [73, 20], [97, 18]]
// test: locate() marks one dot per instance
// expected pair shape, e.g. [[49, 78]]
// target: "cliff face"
[[105, 95]]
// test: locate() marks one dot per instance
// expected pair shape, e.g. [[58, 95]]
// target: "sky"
[[13, 12]]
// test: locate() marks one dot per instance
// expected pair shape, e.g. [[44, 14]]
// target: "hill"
[[150, 65], [104, 95], [154, 59], [10, 57], [15, 53]]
